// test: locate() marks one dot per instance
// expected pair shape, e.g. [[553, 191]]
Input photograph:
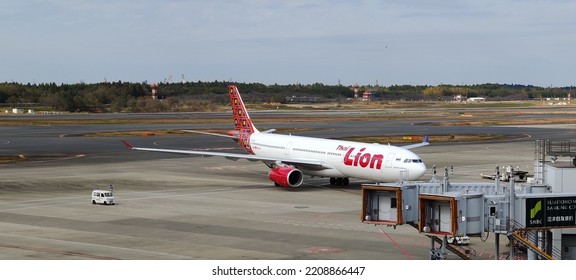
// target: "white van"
[[459, 240], [102, 197]]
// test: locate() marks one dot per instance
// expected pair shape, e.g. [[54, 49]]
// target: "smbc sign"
[[551, 212]]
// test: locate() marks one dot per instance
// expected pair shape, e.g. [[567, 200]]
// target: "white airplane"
[[290, 157]]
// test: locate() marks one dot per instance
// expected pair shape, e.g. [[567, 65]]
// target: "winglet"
[[127, 145], [425, 142]]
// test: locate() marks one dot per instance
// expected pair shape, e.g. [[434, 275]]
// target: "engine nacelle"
[[286, 176]]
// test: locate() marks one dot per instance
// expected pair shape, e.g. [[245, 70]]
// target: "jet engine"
[[286, 176]]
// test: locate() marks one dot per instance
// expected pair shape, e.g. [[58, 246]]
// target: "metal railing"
[[519, 233], [560, 148]]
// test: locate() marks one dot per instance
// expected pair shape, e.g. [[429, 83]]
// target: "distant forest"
[[207, 96]]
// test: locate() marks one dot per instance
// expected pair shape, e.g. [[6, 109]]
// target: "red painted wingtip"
[[127, 144]]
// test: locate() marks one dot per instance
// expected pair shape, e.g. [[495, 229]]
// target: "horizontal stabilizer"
[[210, 133]]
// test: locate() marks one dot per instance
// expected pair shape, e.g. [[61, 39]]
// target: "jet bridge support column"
[[497, 239], [511, 226], [440, 252], [512, 245], [532, 236]]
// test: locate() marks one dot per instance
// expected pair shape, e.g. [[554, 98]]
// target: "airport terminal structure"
[[538, 217]]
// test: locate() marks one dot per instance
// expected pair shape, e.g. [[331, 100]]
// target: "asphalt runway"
[[174, 207]]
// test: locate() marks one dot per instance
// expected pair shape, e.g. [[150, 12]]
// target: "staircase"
[[517, 234]]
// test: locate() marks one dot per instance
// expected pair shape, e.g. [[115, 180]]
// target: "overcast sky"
[[388, 42]]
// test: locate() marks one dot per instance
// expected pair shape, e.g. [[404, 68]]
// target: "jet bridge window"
[[493, 211]]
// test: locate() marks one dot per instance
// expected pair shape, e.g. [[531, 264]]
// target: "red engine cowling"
[[286, 176]]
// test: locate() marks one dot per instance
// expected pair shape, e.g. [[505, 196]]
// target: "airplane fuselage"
[[381, 163]]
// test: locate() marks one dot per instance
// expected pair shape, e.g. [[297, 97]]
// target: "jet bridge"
[[441, 209], [390, 204], [451, 214]]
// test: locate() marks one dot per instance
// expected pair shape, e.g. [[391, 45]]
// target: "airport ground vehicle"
[[459, 240], [104, 197]]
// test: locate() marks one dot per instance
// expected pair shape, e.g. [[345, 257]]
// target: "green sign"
[[551, 212]]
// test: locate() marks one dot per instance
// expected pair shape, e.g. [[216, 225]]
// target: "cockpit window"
[[414, 160]]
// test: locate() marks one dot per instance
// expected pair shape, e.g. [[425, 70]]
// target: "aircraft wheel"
[[345, 181], [332, 181], [339, 181]]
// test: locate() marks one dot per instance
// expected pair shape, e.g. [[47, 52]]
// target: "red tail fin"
[[242, 122]]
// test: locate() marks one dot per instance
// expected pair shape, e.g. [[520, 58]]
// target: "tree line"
[[206, 96]]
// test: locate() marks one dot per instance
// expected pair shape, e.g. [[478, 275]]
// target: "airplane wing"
[[309, 163], [412, 146]]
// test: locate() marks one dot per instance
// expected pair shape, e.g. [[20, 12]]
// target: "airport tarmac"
[[172, 207]]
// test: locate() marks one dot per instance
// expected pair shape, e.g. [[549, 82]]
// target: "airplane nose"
[[423, 169], [418, 171]]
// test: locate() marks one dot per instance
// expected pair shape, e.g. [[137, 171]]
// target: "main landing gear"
[[339, 181]]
